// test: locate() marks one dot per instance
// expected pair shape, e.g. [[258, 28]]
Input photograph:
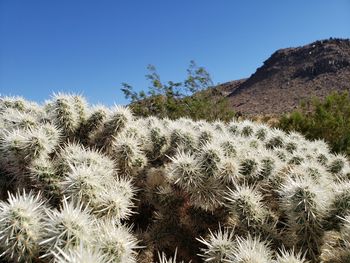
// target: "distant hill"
[[291, 75]]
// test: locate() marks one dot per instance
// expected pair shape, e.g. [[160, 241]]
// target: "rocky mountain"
[[291, 75]]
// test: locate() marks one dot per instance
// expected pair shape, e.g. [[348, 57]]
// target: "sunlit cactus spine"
[[181, 138], [228, 172], [246, 128], [83, 183], [74, 155], [261, 132], [12, 119], [209, 159], [249, 166], [82, 254], [275, 139], [157, 142], [185, 171], [80, 106], [116, 242], [43, 176], [17, 103], [340, 205], [219, 246], [246, 205], [22, 226], [67, 111], [286, 256], [345, 232], [115, 122], [251, 250], [232, 127], [229, 147], [337, 245], [128, 155], [270, 164], [162, 258], [205, 135], [27, 144], [67, 228], [337, 163], [115, 201], [305, 204], [94, 121], [20, 147]]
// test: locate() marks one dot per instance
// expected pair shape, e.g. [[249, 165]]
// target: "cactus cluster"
[[83, 183]]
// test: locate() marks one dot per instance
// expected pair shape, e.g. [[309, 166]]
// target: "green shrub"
[[327, 119], [195, 97]]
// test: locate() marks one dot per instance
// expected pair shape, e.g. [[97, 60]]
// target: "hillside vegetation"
[[327, 119], [81, 183]]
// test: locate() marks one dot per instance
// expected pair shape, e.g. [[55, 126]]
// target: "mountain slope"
[[291, 75]]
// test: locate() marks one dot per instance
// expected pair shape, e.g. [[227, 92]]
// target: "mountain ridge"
[[291, 75]]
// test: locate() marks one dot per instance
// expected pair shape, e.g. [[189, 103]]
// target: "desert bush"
[[95, 184], [327, 119], [196, 97]]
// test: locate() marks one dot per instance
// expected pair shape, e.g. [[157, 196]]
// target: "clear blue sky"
[[90, 47]]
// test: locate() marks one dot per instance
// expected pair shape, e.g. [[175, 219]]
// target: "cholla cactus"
[[43, 175], [22, 226], [100, 168], [246, 203], [82, 254], [74, 155], [157, 143], [346, 229], [129, 157], [337, 163], [251, 250], [14, 119], [68, 112], [340, 206], [181, 139], [219, 246], [116, 121], [209, 159], [25, 145], [19, 104], [116, 242], [305, 204], [275, 139], [206, 135], [246, 128], [289, 257], [163, 258], [91, 123], [261, 132], [249, 166], [228, 172], [209, 196], [115, 201], [20, 147], [84, 183], [68, 228], [337, 247], [229, 147], [185, 171]]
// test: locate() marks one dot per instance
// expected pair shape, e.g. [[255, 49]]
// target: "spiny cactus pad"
[[83, 183]]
